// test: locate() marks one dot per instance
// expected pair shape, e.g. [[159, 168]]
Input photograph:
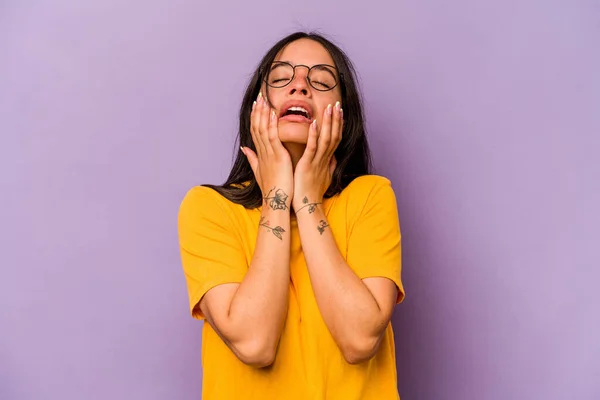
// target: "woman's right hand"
[[271, 164]]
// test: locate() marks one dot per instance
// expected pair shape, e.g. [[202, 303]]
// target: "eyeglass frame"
[[338, 81]]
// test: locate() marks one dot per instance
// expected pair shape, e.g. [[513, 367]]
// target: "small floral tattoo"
[[312, 207], [277, 231], [322, 225], [278, 201]]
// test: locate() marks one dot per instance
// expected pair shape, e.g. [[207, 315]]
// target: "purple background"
[[485, 116]]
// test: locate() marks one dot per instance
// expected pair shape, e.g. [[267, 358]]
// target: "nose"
[[300, 82]]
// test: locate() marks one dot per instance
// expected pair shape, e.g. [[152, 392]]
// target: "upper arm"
[[374, 249], [211, 252], [215, 306], [385, 293]]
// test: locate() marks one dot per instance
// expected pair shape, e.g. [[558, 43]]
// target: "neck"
[[296, 151]]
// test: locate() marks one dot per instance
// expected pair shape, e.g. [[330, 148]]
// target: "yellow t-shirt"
[[217, 239]]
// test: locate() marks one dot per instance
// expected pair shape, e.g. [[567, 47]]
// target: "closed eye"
[[321, 84]]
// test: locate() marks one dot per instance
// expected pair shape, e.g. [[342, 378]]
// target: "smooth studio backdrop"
[[484, 114]]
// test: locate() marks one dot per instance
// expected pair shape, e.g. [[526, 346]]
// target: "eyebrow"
[[289, 62]]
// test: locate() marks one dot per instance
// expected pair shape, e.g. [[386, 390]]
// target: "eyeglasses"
[[321, 77]]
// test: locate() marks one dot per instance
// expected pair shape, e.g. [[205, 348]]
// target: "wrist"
[[307, 204], [277, 198], [309, 220]]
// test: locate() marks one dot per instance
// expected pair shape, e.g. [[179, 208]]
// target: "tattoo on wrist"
[[322, 225], [277, 231], [312, 207], [278, 200]]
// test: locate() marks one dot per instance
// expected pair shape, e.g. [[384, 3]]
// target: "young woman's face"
[[293, 126]]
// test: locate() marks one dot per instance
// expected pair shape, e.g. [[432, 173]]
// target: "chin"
[[294, 134]]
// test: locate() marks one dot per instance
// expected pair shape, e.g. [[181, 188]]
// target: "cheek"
[[272, 97], [267, 92], [322, 106]]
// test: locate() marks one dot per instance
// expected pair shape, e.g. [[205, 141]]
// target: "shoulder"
[[364, 195], [202, 196], [205, 203], [368, 188], [368, 183]]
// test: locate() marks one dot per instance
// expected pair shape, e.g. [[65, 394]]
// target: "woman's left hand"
[[314, 170]]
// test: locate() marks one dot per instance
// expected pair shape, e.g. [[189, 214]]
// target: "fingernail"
[[341, 112], [253, 105], [329, 109], [314, 124], [273, 116], [337, 106], [242, 149], [260, 98]]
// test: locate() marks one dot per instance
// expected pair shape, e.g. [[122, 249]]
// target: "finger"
[[336, 132], [265, 117], [311, 143], [252, 159], [341, 125], [324, 134], [255, 124], [274, 133]]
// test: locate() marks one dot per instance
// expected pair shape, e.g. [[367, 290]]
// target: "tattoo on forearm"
[[312, 207], [277, 231], [322, 225], [278, 200]]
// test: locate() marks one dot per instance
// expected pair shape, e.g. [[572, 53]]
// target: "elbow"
[[360, 350], [256, 354]]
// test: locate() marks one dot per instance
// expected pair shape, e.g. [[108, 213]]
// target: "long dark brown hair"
[[352, 154]]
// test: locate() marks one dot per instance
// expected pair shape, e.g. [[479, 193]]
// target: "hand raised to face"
[[315, 169], [271, 162]]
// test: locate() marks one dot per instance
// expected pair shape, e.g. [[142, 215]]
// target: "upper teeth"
[[298, 109]]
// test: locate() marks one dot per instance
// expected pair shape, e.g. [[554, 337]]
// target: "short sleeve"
[[211, 250], [374, 243]]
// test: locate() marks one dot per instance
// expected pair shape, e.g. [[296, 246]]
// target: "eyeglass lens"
[[320, 77]]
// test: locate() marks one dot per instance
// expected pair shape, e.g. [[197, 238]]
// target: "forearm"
[[258, 308], [349, 309]]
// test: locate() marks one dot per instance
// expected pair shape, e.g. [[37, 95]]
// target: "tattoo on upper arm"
[[322, 225], [312, 207], [277, 231], [278, 200]]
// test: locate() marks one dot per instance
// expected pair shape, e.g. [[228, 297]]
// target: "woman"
[[294, 261]]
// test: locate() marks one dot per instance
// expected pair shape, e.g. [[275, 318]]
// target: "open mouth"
[[296, 114], [300, 111]]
